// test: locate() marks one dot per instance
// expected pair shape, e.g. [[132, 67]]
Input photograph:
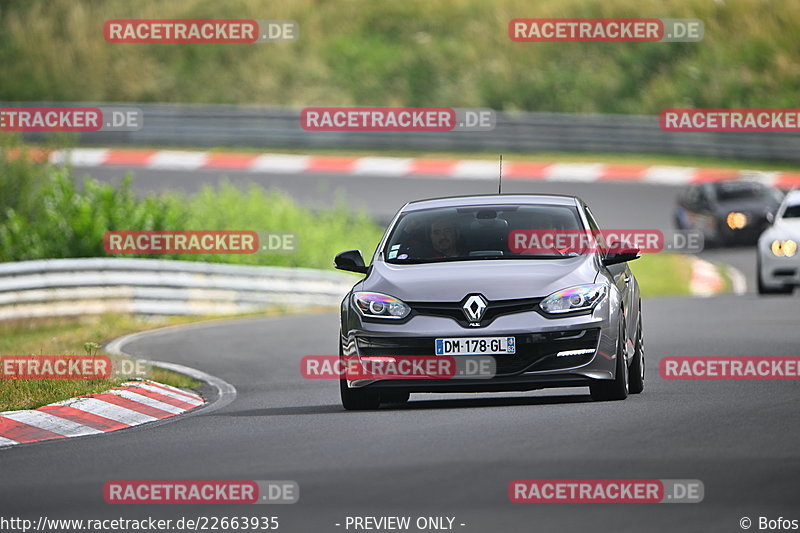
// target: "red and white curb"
[[130, 404], [411, 167], [707, 281]]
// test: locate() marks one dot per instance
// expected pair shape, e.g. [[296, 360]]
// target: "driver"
[[444, 236]]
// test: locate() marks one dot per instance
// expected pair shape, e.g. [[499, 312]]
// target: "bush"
[[48, 214]]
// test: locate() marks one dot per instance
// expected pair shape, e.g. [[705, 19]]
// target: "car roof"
[[733, 183], [493, 199], [736, 185]]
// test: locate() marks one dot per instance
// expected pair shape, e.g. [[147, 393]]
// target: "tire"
[[762, 289], [357, 399], [714, 240], [724, 237], [395, 397], [636, 371], [617, 388]]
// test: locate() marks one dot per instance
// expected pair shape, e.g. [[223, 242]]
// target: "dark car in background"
[[727, 212]]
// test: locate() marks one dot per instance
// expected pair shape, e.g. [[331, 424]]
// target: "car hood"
[[495, 279], [783, 229]]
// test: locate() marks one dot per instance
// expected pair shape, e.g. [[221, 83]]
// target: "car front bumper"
[[536, 363], [746, 235], [779, 272]]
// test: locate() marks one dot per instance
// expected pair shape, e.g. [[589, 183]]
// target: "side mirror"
[[770, 217], [351, 260], [616, 256]]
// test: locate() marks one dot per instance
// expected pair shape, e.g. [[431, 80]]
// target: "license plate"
[[476, 346]]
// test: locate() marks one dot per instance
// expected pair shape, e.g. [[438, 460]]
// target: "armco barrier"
[[279, 127], [61, 287]]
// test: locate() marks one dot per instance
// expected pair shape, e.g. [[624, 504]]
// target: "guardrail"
[[279, 127], [63, 287]]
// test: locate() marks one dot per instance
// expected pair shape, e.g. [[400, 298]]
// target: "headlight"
[[377, 305], [737, 220], [578, 298], [784, 248]]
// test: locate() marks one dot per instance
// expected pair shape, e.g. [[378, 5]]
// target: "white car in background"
[[778, 267]]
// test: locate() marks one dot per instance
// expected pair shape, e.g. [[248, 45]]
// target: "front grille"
[[535, 352], [494, 309]]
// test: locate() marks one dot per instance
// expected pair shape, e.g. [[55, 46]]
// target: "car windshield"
[[476, 232], [730, 191]]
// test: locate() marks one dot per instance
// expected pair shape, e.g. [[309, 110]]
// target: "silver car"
[[446, 273], [778, 261]]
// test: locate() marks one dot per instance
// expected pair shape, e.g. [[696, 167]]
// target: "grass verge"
[[727, 277], [663, 274], [67, 336]]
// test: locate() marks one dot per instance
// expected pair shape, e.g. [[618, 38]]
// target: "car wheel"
[[395, 397], [636, 372], [763, 289], [726, 238], [617, 388], [712, 239], [357, 399]]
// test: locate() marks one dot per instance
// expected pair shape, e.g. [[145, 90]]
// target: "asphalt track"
[[620, 206], [452, 455]]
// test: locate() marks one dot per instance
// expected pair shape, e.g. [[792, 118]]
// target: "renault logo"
[[474, 308]]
